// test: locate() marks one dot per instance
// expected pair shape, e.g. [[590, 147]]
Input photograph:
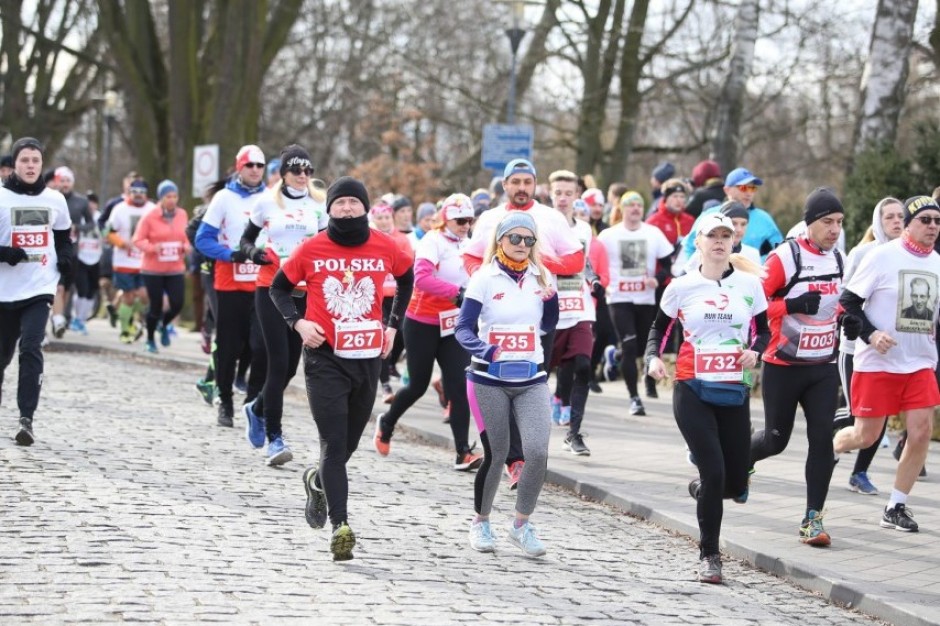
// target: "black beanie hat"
[[347, 186], [26, 142], [820, 203], [294, 156], [733, 208], [914, 205]]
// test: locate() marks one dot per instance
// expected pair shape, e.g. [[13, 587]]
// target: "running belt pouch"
[[512, 370], [718, 394]]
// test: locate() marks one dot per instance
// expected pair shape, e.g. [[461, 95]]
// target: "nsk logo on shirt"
[[354, 265]]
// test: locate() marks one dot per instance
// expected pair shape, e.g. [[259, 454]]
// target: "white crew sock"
[[897, 497]]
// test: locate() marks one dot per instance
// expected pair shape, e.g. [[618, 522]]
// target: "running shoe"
[[441, 396], [78, 326], [574, 443], [171, 330], [137, 330], [859, 483], [899, 518], [387, 394], [481, 536], [526, 539], [254, 426], [24, 436], [315, 509], [515, 472], [342, 542], [112, 315], [695, 488], [565, 418], [556, 410], [709, 570], [595, 386], [741, 499], [279, 452], [240, 385], [226, 415], [610, 363], [380, 441], [812, 531], [165, 335], [151, 346], [58, 326], [206, 391], [636, 406], [126, 337], [467, 461]]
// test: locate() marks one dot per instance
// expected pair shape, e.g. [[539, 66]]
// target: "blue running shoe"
[[241, 386], [171, 330], [565, 417], [164, 336], [860, 483], [151, 347], [556, 410], [610, 363], [526, 538], [254, 427], [78, 326], [279, 452]]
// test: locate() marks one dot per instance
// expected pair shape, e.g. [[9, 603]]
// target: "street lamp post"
[[109, 110], [516, 35]]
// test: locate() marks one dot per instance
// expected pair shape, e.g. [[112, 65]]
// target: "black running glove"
[[11, 255], [259, 257], [851, 326], [239, 257], [807, 303]]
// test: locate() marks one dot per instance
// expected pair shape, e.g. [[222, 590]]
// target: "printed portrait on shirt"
[[917, 300], [633, 258], [30, 216]]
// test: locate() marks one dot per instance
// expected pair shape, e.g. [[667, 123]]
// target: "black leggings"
[[174, 286], [571, 387], [632, 323], [237, 328], [603, 334], [424, 345], [398, 346], [718, 437], [865, 457], [282, 347], [341, 393], [86, 280], [26, 324], [816, 389]]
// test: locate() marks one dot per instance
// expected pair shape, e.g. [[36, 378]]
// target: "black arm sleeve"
[[665, 269], [657, 332], [405, 283], [192, 228], [281, 290], [762, 336], [247, 243], [852, 303]]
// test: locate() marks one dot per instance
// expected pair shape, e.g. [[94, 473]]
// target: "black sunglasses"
[[926, 219], [297, 170], [257, 166], [463, 221], [515, 239]]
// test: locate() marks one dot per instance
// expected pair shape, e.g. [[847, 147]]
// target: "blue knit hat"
[[165, 187], [516, 219]]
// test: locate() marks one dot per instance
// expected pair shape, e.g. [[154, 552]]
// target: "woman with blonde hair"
[[716, 303], [508, 303], [286, 216]]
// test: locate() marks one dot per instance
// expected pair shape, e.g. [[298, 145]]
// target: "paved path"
[[179, 466]]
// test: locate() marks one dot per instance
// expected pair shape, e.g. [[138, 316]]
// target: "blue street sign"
[[504, 142]]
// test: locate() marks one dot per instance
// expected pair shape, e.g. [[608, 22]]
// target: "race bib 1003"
[[817, 342]]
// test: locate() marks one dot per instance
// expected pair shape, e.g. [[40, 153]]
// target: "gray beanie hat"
[[515, 219]]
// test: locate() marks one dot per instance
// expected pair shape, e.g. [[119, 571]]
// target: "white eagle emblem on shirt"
[[348, 299]]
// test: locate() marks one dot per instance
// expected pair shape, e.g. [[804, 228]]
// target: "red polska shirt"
[[344, 284]]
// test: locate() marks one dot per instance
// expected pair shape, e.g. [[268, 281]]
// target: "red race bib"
[[718, 363]]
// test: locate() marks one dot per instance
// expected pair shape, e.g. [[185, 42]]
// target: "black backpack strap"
[[797, 262]]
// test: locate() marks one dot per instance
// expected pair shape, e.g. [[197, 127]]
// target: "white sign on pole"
[[205, 167]]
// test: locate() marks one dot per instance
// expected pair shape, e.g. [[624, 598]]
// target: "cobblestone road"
[[134, 506]]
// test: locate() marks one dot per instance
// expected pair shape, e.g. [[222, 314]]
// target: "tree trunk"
[[731, 103], [885, 74]]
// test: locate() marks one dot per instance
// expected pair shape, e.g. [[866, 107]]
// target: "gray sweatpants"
[[492, 408]]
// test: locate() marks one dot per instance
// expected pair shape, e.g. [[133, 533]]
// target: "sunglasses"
[[925, 220], [297, 170], [515, 239], [463, 221], [255, 166], [751, 188]]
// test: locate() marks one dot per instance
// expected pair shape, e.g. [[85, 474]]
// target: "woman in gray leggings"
[[511, 300]]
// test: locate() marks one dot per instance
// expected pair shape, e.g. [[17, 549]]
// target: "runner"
[[511, 300], [740, 217], [639, 257], [284, 218], [161, 236], [440, 280], [716, 303], [887, 225], [127, 259], [35, 252], [80, 214], [893, 296], [802, 284], [218, 238], [343, 339]]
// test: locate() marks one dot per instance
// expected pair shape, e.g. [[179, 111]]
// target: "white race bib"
[[358, 340], [245, 272], [34, 240], [718, 364], [517, 341], [448, 321], [631, 286], [169, 251], [816, 341]]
